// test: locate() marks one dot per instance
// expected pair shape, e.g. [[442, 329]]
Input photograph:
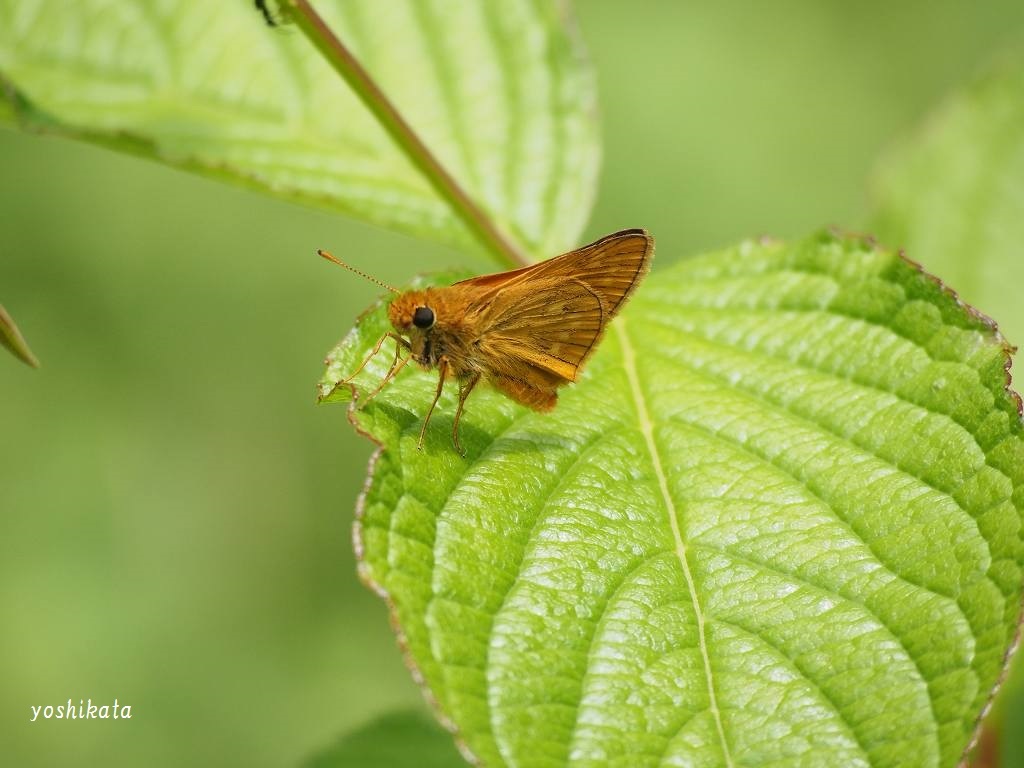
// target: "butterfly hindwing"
[[553, 326]]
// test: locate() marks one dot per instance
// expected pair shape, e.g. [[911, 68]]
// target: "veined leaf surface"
[[499, 91], [777, 522], [953, 191]]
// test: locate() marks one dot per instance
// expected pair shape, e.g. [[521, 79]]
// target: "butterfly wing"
[[539, 324], [611, 267], [552, 325]]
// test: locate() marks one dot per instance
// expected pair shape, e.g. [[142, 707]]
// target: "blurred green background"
[[176, 511]]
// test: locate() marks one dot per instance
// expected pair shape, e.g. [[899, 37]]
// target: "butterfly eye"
[[423, 317]]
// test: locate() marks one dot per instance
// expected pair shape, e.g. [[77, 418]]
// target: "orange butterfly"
[[526, 332]]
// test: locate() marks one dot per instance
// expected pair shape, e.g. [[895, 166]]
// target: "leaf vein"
[[780, 407], [647, 429]]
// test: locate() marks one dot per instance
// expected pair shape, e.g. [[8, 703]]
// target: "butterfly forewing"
[[552, 314], [549, 324], [611, 266]]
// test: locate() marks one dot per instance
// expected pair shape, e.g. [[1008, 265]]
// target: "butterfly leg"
[[396, 365], [442, 370], [464, 391], [399, 343]]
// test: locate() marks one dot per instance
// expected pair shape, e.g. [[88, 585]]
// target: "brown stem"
[[474, 217]]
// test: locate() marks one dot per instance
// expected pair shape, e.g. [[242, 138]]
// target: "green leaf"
[[11, 338], [396, 740], [499, 91], [952, 193], [777, 522]]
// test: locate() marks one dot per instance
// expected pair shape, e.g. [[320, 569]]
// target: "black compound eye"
[[423, 317]]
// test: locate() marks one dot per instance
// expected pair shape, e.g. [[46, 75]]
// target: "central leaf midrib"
[[646, 429]]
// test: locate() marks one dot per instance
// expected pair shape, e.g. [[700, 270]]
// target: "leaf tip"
[[12, 339]]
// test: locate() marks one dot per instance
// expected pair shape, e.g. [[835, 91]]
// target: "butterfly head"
[[412, 315], [411, 311]]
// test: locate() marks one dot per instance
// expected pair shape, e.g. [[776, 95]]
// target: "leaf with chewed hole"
[[777, 522], [500, 92]]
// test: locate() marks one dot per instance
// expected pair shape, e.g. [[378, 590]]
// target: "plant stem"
[[474, 217]]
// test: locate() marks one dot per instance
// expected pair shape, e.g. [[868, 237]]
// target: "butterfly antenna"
[[341, 263]]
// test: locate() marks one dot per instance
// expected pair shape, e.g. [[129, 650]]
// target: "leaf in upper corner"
[[396, 740], [499, 91], [12, 339], [777, 522], [952, 193]]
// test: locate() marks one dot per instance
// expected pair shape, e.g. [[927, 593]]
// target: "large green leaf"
[[778, 522], [499, 91], [952, 193]]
